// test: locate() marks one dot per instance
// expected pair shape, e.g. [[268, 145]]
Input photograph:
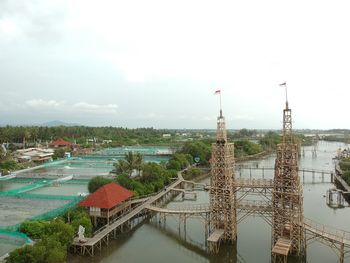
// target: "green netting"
[[16, 234], [86, 165], [45, 216], [77, 181], [55, 162], [60, 210], [11, 228], [45, 196], [25, 188]]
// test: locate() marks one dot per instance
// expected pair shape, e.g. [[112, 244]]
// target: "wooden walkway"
[[88, 247], [305, 170], [253, 183], [251, 205], [281, 249], [214, 240], [325, 232]]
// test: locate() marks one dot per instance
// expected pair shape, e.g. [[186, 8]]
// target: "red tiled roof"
[[61, 142], [107, 196]]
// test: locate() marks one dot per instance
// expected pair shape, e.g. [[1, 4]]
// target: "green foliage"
[[180, 161], [59, 153], [131, 162], [346, 177], [344, 165], [119, 136], [83, 219], [197, 149], [192, 173], [49, 250], [33, 229], [96, 182], [243, 133], [8, 165], [153, 178], [245, 147], [22, 255], [270, 140], [55, 238], [63, 232]]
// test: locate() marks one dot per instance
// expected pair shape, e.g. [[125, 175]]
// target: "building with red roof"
[[108, 202], [62, 143]]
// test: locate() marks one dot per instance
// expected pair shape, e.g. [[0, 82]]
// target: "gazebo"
[[108, 202]]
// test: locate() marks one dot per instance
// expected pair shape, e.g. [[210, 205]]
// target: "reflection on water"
[[151, 242]]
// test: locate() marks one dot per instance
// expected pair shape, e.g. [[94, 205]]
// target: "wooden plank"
[[282, 246], [216, 235]]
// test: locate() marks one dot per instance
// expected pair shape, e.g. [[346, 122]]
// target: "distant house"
[[166, 135], [107, 203], [60, 143], [38, 155]]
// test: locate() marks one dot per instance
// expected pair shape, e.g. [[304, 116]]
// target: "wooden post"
[[108, 216], [263, 172], [341, 259]]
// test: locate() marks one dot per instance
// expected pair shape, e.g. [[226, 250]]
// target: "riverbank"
[[340, 182], [206, 170], [253, 157]]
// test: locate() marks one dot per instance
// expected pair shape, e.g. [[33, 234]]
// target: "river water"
[[152, 242]]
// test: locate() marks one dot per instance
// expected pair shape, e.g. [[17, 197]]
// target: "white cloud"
[[44, 104], [94, 108]]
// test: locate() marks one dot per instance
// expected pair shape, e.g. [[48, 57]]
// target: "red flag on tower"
[[284, 84], [217, 92]]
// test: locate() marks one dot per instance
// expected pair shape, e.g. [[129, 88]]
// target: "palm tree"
[[132, 162]]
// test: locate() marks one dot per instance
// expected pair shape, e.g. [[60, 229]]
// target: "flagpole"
[[286, 97], [220, 106]]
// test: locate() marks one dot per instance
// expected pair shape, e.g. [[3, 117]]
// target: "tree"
[[21, 255], [83, 219], [59, 153], [96, 182], [132, 162], [34, 229], [63, 232], [197, 149]]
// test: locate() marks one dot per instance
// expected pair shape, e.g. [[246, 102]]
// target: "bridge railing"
[[301, 169], [327, 231], [253, 181], [196, 207], [254, 203]]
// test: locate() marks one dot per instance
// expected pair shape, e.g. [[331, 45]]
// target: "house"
[[61, 143], [38, 155], [107, 203]]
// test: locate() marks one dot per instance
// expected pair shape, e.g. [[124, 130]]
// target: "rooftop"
[[107, 196]]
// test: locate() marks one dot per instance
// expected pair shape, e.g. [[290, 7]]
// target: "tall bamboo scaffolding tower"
[[288, 235], [223, 220]]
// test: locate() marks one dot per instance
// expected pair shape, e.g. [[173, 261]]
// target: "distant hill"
[[58, 123]]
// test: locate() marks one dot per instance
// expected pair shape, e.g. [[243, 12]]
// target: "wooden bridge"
[[336, 239], [125, 222], [303, 172]]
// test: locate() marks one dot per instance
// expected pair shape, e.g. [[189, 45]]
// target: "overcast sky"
[[157, 63]]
